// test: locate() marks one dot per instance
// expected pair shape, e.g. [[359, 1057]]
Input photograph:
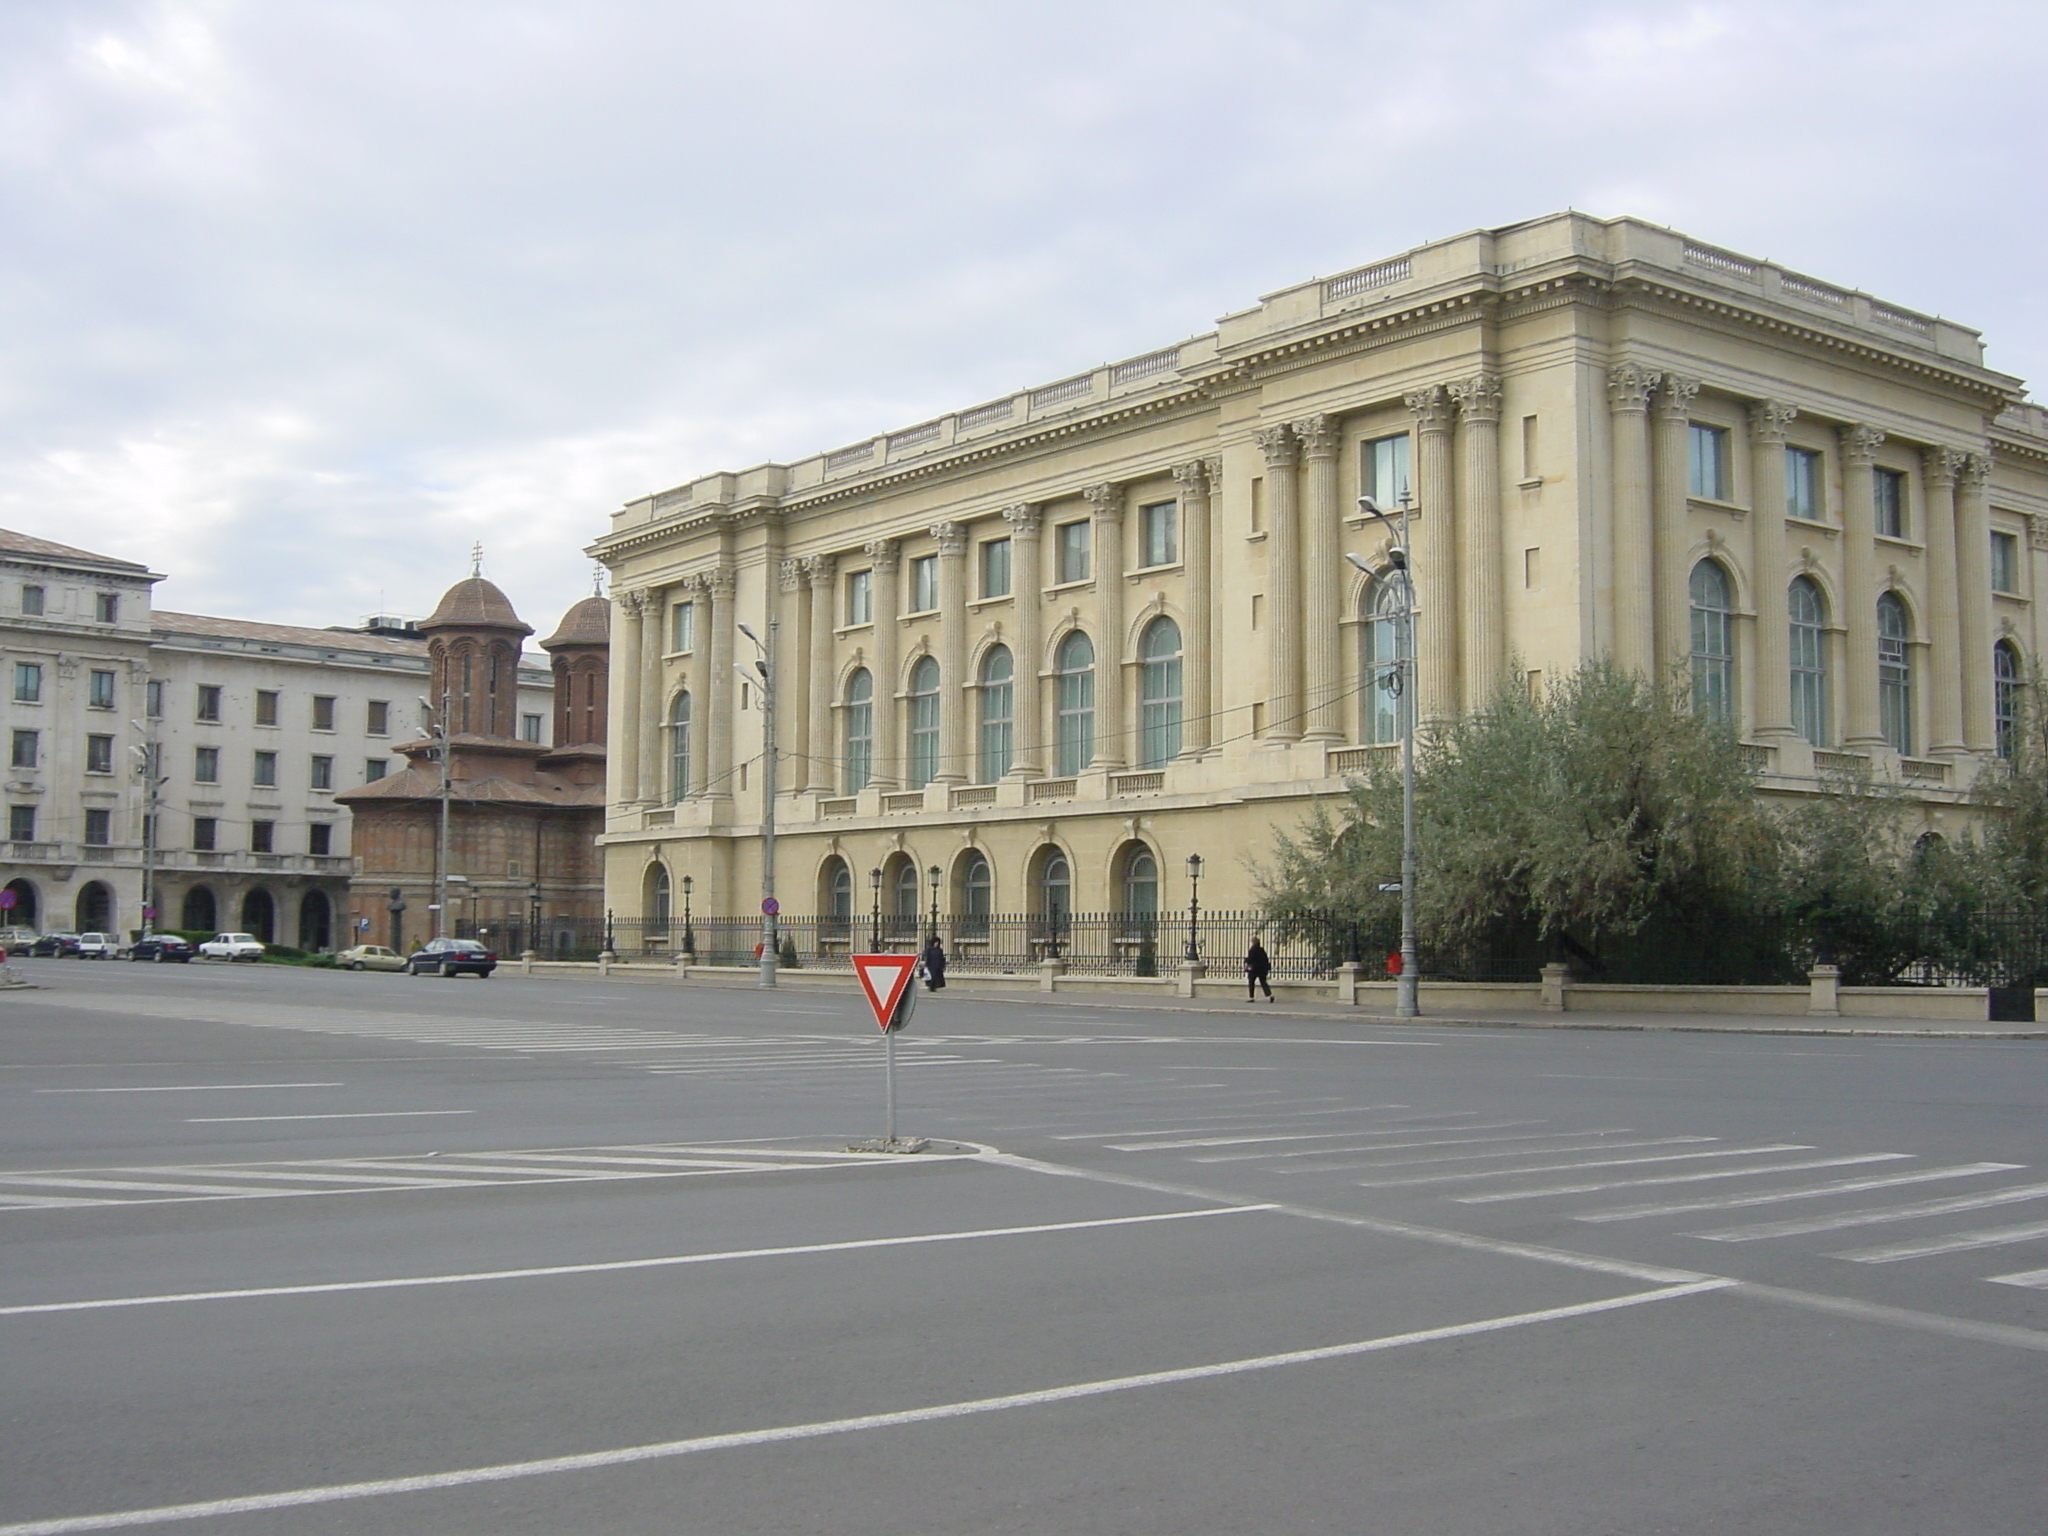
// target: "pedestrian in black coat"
[[935, 964], [1258, 965]]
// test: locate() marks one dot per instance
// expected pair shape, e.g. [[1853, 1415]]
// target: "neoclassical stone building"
[[1055, 643]]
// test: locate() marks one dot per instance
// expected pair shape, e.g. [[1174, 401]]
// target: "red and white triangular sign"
[[883, 978]]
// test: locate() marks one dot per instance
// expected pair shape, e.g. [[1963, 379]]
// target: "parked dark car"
[[53, 944], [161, 947], [452, 957]]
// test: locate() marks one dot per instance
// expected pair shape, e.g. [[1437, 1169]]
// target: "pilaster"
[[1027, 582], [632, 607], [1106, 507], [1973, 578], [1283, 585], [793, 679], [1770, 696], [885, 555], [955, 687], [1629, 387], [820, 773], [647, 742], [1321, 582], [1946, 669], [718, 587], [1671, 520], [1480, 536], [1859, 586], [1196, 481], [1434, 559]]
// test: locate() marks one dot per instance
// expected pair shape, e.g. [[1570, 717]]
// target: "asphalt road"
[[294, 1252]]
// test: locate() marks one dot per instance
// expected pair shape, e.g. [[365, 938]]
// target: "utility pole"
[[437, 729], [764, 667], [152, 782]]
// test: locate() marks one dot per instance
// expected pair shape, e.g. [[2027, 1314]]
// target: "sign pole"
[[890, 983], [889, 1069]]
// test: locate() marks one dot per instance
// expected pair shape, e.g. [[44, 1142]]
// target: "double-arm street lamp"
[[1401, 672]]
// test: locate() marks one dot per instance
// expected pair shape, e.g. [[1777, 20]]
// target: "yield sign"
[[884, 978]]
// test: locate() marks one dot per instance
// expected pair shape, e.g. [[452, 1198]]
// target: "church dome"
[[475, 603], [588, 623]]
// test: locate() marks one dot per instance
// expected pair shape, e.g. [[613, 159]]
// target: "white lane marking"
[[1259, 1115], [39, 1202], [1492, 1157], [616, 1265], [363, 1115], [1382, 1146], [53, 1181], [1804, 1165], [193, 1088], [625, 1455], [586, 1158], [1955, 1242], [1899, 1317], [1874, 1215], [2032, 1279], [340, 1178], [1811, 1192]]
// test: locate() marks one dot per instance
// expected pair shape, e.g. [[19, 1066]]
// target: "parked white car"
[[370, 957], [233, 946], [98, 946]]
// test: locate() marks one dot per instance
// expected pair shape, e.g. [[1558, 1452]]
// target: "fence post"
[[1189, 972], [1348, 975], [1050, 970], [526, 959], [1824, 991], [1556, 986]]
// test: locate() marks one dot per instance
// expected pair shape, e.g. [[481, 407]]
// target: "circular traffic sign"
[[8, 899], [770, 907]]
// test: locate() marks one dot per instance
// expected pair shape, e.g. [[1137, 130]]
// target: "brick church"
[[523, 816]]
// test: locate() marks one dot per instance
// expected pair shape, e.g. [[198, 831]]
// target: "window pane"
[[206, 764], [679, 744], [1075, 733], [1809, 662], [1890, 491], [2005, 682], [2005, 562], [683, 627], [323, 773], [924, 583], [998, 716], [1157, 534], [28, 682], [1159, 694], [1713, 643], [859, 756], [323, 713], [99, 754], [1709, 478], [1894, 674], [1073, 552], [99, 828], [995, 568], [265, 769], [924, 723], [266, 707], [860, 598], [102, 691], [1385, 471], [26, 754], [1802, 484]]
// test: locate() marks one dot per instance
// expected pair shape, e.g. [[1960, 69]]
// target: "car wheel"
[[355, 965], [448, 972]]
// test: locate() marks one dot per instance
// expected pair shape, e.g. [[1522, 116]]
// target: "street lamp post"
[[935, 875], [1194, 950], [689, 933], [875, 929], [1407, 988], [764, 668], [437, 730]]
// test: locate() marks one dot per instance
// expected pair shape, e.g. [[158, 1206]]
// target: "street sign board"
[[885, 978], [8, 899], [770, 907]]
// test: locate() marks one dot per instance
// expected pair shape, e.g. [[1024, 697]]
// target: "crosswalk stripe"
[[1955, 1242], [1811, 1192], [1400, 1146], [1803, 1166], [44, 1181], [2032, 1279], [1875, 1215], [1467, 1175]]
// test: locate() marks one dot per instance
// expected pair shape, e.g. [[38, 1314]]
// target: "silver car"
[[370, 957]]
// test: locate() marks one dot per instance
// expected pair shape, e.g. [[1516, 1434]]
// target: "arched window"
[[259, 915], [924, 722], [679, 747], [198, 910], [2005, 694], [1141, 884], [1808, 611], [1713, 643], [1053, 893], [977, 896], [25, 912], [657, 900], [1159, 693], [859, 753], [1385, 647], [903, 901], [94, 910], [835, 886], [998, 698], [316, 926], [1074, 732], [1894, 673]]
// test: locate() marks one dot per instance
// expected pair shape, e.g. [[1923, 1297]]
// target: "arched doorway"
[[316, 921], [259, 916], [199, 911], [654, 905], [835, 901], [1052, 900], [94, 910], [1138, 909], [27, 909]]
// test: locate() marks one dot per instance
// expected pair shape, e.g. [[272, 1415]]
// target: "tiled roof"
[[27, 544], [167, 622], [588, 623]]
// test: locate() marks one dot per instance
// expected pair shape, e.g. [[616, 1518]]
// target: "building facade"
[[1052, 645]]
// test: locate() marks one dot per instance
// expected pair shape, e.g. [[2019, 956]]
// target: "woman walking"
[[1258, 965]]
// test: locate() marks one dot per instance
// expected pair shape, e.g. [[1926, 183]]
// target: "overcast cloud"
[[301, 299]]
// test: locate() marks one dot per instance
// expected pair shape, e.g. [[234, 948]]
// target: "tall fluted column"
[[1321, 582], [888, 633], [1434, 560], [793, 682], [1629, 387], [1946, 668], [1283, 586], [1479, 537], [1196, 481], [633, 662], [1670, 522], [718, 588], [648, 740], [1771, 692], [955, 692], [821, 770], [1106, 505], [1973, 578], [1859, 585], [1027, 694]]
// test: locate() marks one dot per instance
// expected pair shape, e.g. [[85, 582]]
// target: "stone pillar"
[[1947, 668], [1106, 505], [1283, 586], [632, 662], [1196, 481], [1629, 387], [1479, 537], [1434, 559], [1769, 698], [821, 770], [956, 692], [888, 650], [1671, 522], [722, 722], [1859, 587], [1027, 694], [793, 682], [1973, 578], [1322, 581], [647, 742]]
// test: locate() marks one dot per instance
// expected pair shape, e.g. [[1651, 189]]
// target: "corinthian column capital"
[[1192, 478], [721, 581], [1105, 501], [950, 537], [792, 575], [1973, 472], [1860, 444], [1478, 399], [1024, 519], [636, 601], [820, 569], [1941, 466], [1768, 420], [1278, 445], [1630, 385], [1432, 408], [883, 553], [1317, 436], [1674, 400]]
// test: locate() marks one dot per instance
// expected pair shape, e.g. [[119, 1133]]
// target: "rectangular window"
[[266, 706], [323, 773], [153, 698], [209, 702], [100, 690], [1072, 549], [99, 828], [205, 833], [1890, 491], [323, 712], [1709, 465], [1383, 471], [27, 749], [1802, 484], [682, 627], [206, 765], [28, 682], [373, 769], [107, 607], [924, 583], [21, 823], [320, 839], [262, 837], [264, 771], [1158, 534], [377, 717], [99, 754], [860, 597], [2005, 562], [995, 568], [31, 599], [529, 728]]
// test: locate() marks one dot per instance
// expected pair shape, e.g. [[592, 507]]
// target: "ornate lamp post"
[[1407, 991], [935, 875], [875, 935], [1194, 949], [689, 933]]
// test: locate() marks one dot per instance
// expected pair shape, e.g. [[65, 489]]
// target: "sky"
[[299, 301]]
